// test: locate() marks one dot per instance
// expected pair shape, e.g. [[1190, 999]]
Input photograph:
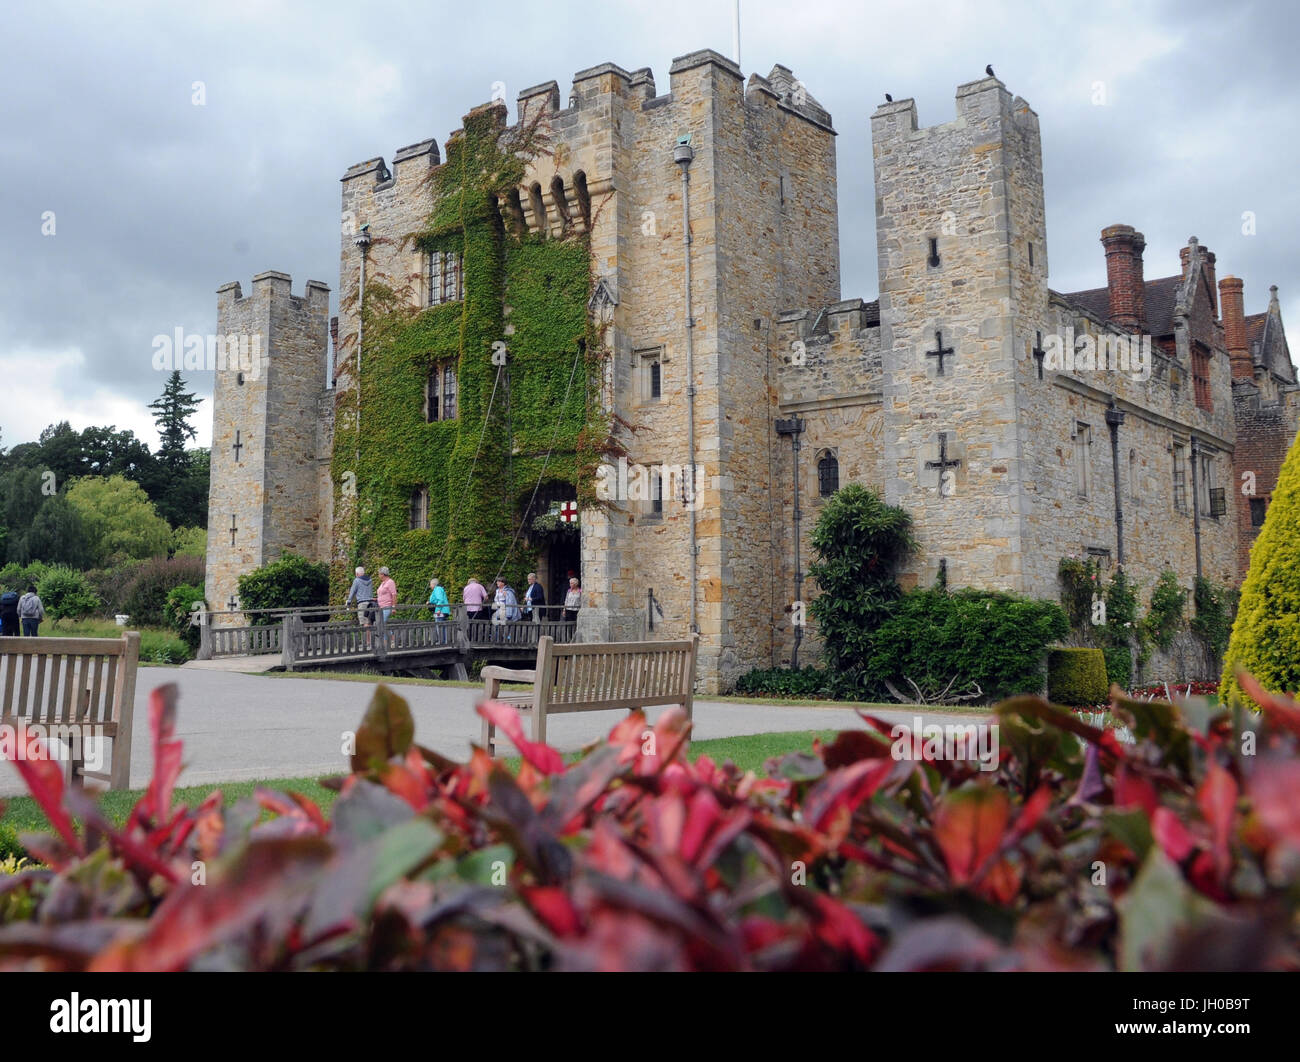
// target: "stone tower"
[[269, 453], [962, 248]]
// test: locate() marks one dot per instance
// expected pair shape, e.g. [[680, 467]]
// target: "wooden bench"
[[595, 677], [77, 689]]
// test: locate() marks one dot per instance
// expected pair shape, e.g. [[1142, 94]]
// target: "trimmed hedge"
[[1119, 665], [785, 682], [1077, 677]]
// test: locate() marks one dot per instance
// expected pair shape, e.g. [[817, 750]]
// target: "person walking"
[[475, 597], [9, 614], [572, 601], [387, 593], [439, 603], [505, 606], [30, 612], [534, 599], [362, 592]]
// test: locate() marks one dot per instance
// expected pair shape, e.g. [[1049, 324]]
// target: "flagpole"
[[735, 33]]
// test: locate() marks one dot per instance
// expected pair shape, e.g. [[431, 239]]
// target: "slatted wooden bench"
[[77, 689], [595, 677]]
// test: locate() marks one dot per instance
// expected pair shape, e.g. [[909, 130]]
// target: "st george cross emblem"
[[569, 512]]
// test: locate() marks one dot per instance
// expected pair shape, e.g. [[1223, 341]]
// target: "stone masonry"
[[939, 393]]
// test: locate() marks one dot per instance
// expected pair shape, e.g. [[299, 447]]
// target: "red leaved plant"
[[1057, 855]]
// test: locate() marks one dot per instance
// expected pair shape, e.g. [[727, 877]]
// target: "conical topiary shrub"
[[1266, 636]]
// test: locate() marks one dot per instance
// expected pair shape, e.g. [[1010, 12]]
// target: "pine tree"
[[1266, 636], [172, 412]]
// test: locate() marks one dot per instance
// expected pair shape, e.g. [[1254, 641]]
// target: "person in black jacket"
[[9, 614]]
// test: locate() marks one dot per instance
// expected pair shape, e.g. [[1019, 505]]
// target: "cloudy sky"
[[157, 201]]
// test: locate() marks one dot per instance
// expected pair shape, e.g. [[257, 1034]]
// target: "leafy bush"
[[10, 846], [859, 541], [290, 582], [1266, 635], [1119, 666], [15, 576], [1216, 607], [145, 599], [632, 858], [1164, 618], [785, 682], [189, 542], [1080, 583], [1077, 677], [179, 611], [67, 594], [112, 584], [992, 640]]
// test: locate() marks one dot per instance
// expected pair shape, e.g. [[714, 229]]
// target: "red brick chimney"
[[1234, 327], [1124, 246]]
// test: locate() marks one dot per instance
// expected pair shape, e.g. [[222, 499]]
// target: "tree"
[[859, 541], [58, 535], [172, 412], [120, 519], [1266, 635]]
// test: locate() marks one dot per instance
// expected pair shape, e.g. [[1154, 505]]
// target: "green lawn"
[[159, 646], [748, 753]]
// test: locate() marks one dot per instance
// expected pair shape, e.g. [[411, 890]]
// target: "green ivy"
[[480, 471], [1165, 616]]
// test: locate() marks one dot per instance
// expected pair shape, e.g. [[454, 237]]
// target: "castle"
[[1015, 423]]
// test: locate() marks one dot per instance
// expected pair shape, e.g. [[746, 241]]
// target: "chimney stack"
[[1124, 246], [1234, 327]]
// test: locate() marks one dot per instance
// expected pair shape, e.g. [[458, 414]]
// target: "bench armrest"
[[493, 676]]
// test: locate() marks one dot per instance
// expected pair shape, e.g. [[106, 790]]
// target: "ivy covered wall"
[[525, 290]]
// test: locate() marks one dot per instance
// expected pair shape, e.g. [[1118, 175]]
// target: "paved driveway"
[[237, 727]]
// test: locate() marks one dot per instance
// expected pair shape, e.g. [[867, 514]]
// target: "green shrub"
[[1119, 666], [1216, 607], [784, 682], [179, 610], [67, 594], [1266, 635], [112, 584], [1165, 616], [145, 598], [290, 582], [1077, 677], [1080, 582], [859, 541], [15, 576], [995, 640], [10, 846]]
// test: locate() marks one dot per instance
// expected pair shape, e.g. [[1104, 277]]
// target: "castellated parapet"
[[267, 457], [764, 234]]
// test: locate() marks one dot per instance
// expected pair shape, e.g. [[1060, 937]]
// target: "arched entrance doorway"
[[552, 530]]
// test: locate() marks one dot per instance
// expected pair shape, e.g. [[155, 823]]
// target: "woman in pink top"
[[386, 595], [474, 595]]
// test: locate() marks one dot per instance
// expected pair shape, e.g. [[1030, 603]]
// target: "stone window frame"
[[1206, 482], [1177, 449], [651, 509], [1204, 398], [1082, 462], [442, 374], [446, 283], [826, 453], [418, 509], [644, 359]]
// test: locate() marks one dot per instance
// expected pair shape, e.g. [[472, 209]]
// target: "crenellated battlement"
[[979, 103], [273, 285]]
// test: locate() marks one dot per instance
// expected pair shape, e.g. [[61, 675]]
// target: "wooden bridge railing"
[[331, 634]]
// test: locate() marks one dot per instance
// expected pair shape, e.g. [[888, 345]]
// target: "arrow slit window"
[[1082, 458]]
